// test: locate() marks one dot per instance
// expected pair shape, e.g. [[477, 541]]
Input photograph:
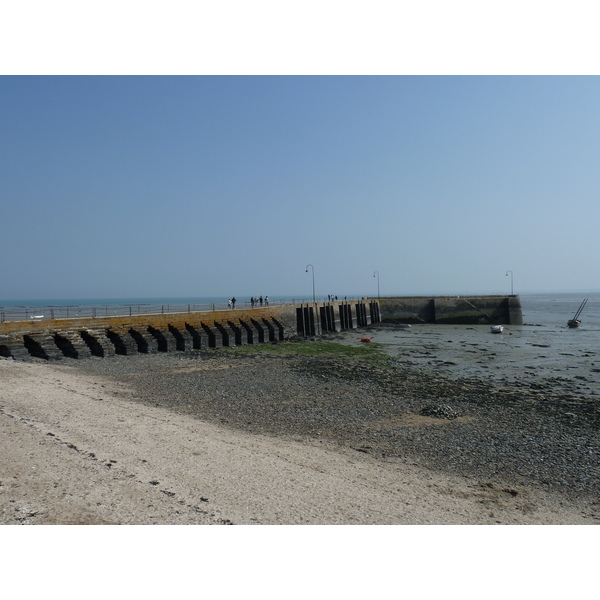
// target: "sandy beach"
[[232, 438]]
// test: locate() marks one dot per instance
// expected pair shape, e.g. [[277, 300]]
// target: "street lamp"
[[377, 273], [511, 281], [313, 279]]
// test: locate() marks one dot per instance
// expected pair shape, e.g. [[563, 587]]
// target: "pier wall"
[[150, 333], [109, 335], [477, 310]]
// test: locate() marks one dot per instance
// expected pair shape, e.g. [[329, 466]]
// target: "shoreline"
[[226, 438]]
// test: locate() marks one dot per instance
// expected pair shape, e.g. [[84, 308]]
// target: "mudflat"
[[419, 426]]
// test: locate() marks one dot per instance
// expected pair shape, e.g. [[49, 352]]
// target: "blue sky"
[[230, 185]]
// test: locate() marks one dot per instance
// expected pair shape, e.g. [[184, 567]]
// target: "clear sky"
[[125, 186]]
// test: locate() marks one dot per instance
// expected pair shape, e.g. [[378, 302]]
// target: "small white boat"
[[497, 328]]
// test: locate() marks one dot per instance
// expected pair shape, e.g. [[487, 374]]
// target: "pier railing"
[[40, 313]]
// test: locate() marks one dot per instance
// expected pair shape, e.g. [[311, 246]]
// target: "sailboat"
[[575, 322]]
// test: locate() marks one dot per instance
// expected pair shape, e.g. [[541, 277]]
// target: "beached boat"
[[497, 328], [575, 322]]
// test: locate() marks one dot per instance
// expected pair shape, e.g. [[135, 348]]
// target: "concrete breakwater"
[[453, 310], [133, 334], [147, 334]]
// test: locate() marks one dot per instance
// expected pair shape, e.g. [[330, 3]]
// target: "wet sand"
[[525, 354]]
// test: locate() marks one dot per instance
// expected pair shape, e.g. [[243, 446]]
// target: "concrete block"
[[97, 342]]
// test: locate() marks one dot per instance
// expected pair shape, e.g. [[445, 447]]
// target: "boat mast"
[[579, 310]]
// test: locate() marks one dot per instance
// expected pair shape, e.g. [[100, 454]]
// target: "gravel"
[[515, 434]]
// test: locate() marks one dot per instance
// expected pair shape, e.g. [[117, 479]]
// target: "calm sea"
[[552, 311], [97, 302]]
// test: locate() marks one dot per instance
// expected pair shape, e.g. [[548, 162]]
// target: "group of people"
[[253, 301]]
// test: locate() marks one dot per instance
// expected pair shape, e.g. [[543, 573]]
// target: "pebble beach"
[[430, 425]]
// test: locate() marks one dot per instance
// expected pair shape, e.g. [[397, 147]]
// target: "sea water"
[[552, 311]]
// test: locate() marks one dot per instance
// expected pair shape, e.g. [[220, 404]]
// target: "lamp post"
[[377, 273], [313, 281], [511, 281]]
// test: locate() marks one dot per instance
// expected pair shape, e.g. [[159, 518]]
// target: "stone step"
[[97, 342], [227, 335], [122, 340], [183, 338], [146, 343], [41, 345], [12, 346], [215, 339], [240, 334], [71, 344], [164, 338], [198, 336]]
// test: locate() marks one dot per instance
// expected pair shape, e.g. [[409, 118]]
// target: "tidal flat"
[[452, 398]]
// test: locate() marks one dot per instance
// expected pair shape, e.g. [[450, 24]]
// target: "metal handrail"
[[41, 313]]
